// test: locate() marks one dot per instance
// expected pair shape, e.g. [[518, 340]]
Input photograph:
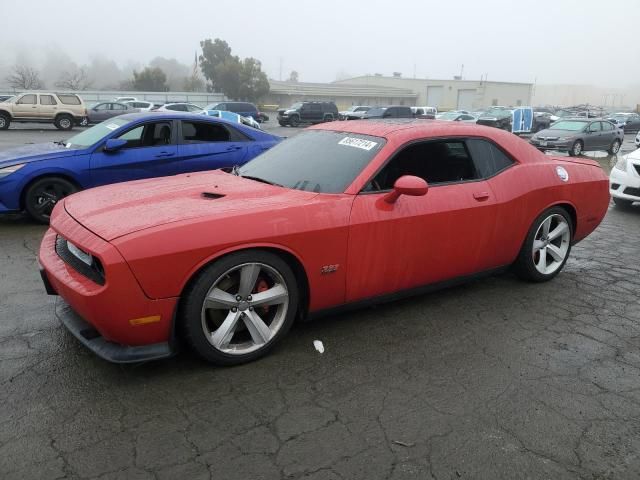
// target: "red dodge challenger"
[[341, 215]]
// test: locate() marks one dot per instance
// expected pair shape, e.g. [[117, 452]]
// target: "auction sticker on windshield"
[[112, 126], [357, 143]]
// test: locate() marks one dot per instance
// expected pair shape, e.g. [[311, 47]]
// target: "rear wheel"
[[576, 148], [42, 195], [239, 307], [328, 118], [63, 122], [547, 246], [5, 121]]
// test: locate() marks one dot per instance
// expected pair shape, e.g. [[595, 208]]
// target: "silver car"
[[577, 135], [103, 111]]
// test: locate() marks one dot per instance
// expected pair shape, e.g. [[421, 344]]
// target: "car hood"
[[34, 153], [120, 209]]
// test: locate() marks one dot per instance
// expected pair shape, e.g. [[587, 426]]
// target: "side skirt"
[[392, 297]]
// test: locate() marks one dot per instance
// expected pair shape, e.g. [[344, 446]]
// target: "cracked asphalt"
[[496, 379]]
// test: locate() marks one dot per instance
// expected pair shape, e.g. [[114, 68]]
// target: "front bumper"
[[114, 312], [551, 145], [625, 184]]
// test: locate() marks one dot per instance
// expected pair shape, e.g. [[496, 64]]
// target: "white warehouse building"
[[453, 94]]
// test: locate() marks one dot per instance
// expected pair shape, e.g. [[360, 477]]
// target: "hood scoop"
[[211, 195]]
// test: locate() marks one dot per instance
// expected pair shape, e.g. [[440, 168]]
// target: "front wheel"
[[615, 147], [547, 246], [576, 148], [239, 307], [84, 122], [5, 121], [294, 121], [42, 195]]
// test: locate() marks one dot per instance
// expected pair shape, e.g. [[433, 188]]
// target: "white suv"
[[624, 181]]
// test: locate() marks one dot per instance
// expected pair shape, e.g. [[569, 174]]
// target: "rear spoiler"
[[581, 161]]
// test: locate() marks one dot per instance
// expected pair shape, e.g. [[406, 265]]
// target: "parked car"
[[456, 117], [629, 122], [393, 111], [64, 110], [5, 97], [233, 117], [355, 112], [244, 109], [307, 112], [624, 181], [497, 117], [426, 112], [579, 135], [227, 261], [180, 107], [129, 147], [141, 105], [103, 111], [125, 99], [637, 140], [263, 117]]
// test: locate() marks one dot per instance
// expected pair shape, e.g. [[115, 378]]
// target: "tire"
[[576, 148], [533, 263], [84, 122], [252, 330], [63, 122], [5, 121], [282, 124], [294, 121], [615, 147], [43, 194], [328, 118], [622, 202]]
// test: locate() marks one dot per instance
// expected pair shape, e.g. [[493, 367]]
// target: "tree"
[[227, 76], [175, 71], [193, 82], [293, 77], [74, 80], [254, 83], [214, 54], [150, 80], [24, 78]]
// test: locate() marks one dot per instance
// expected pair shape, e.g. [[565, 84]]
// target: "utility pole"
[[280, 75]]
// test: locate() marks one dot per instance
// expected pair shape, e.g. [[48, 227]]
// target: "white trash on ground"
[[319, 346]]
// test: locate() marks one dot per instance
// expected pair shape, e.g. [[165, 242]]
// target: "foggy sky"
[[548, 41]]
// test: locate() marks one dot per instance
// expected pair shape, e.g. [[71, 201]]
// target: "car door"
[[593, 137], [420, 240], [48, 106], [150, 151], [608, 134], [208, 145], [99, 113], [26, 106]]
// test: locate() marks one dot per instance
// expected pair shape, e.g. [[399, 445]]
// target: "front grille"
[[632, 191], [637, 167], [94, 272]]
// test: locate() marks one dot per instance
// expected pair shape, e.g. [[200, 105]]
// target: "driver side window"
[[436, 162], [148, 135]]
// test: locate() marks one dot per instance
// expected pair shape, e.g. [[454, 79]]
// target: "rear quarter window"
[[69, 99]]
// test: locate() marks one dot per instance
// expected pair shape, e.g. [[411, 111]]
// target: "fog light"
[[145, 320]]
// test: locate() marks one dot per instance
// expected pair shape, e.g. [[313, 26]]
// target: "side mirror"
[[114, 144], [407, 185]]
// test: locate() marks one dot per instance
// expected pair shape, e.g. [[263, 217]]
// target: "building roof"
[[365, 79], [338, 89]]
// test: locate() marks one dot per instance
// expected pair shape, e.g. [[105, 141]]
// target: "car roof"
[[389, 126]]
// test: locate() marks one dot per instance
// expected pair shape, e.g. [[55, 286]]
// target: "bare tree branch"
[[24, 78], [77, 80]]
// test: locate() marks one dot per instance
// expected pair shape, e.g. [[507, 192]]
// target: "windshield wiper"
[[60, 142], [235, 170], [258, 179]]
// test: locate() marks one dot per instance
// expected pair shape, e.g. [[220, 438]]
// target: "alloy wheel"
[[245, 308], [47, 196], [551, 244]]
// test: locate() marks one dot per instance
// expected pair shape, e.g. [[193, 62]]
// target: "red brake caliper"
[[261, 286]]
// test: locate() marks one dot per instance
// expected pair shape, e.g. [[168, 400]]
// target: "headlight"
[[564, 139], [81, 255], [621, 164], [9, 170]]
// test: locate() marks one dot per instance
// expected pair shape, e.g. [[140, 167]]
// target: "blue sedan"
[[129, 147]]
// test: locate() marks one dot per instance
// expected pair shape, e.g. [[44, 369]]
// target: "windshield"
[[295, 106], [315, 161], [96, 133], [571, 125]]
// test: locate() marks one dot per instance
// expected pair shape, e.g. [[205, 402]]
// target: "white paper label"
[[357, 143], [111, 126]]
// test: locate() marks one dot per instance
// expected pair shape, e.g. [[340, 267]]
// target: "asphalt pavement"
[[496, 379]]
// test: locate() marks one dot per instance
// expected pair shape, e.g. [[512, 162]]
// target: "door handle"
[[481, 196], [232, 149], [165, 154]]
